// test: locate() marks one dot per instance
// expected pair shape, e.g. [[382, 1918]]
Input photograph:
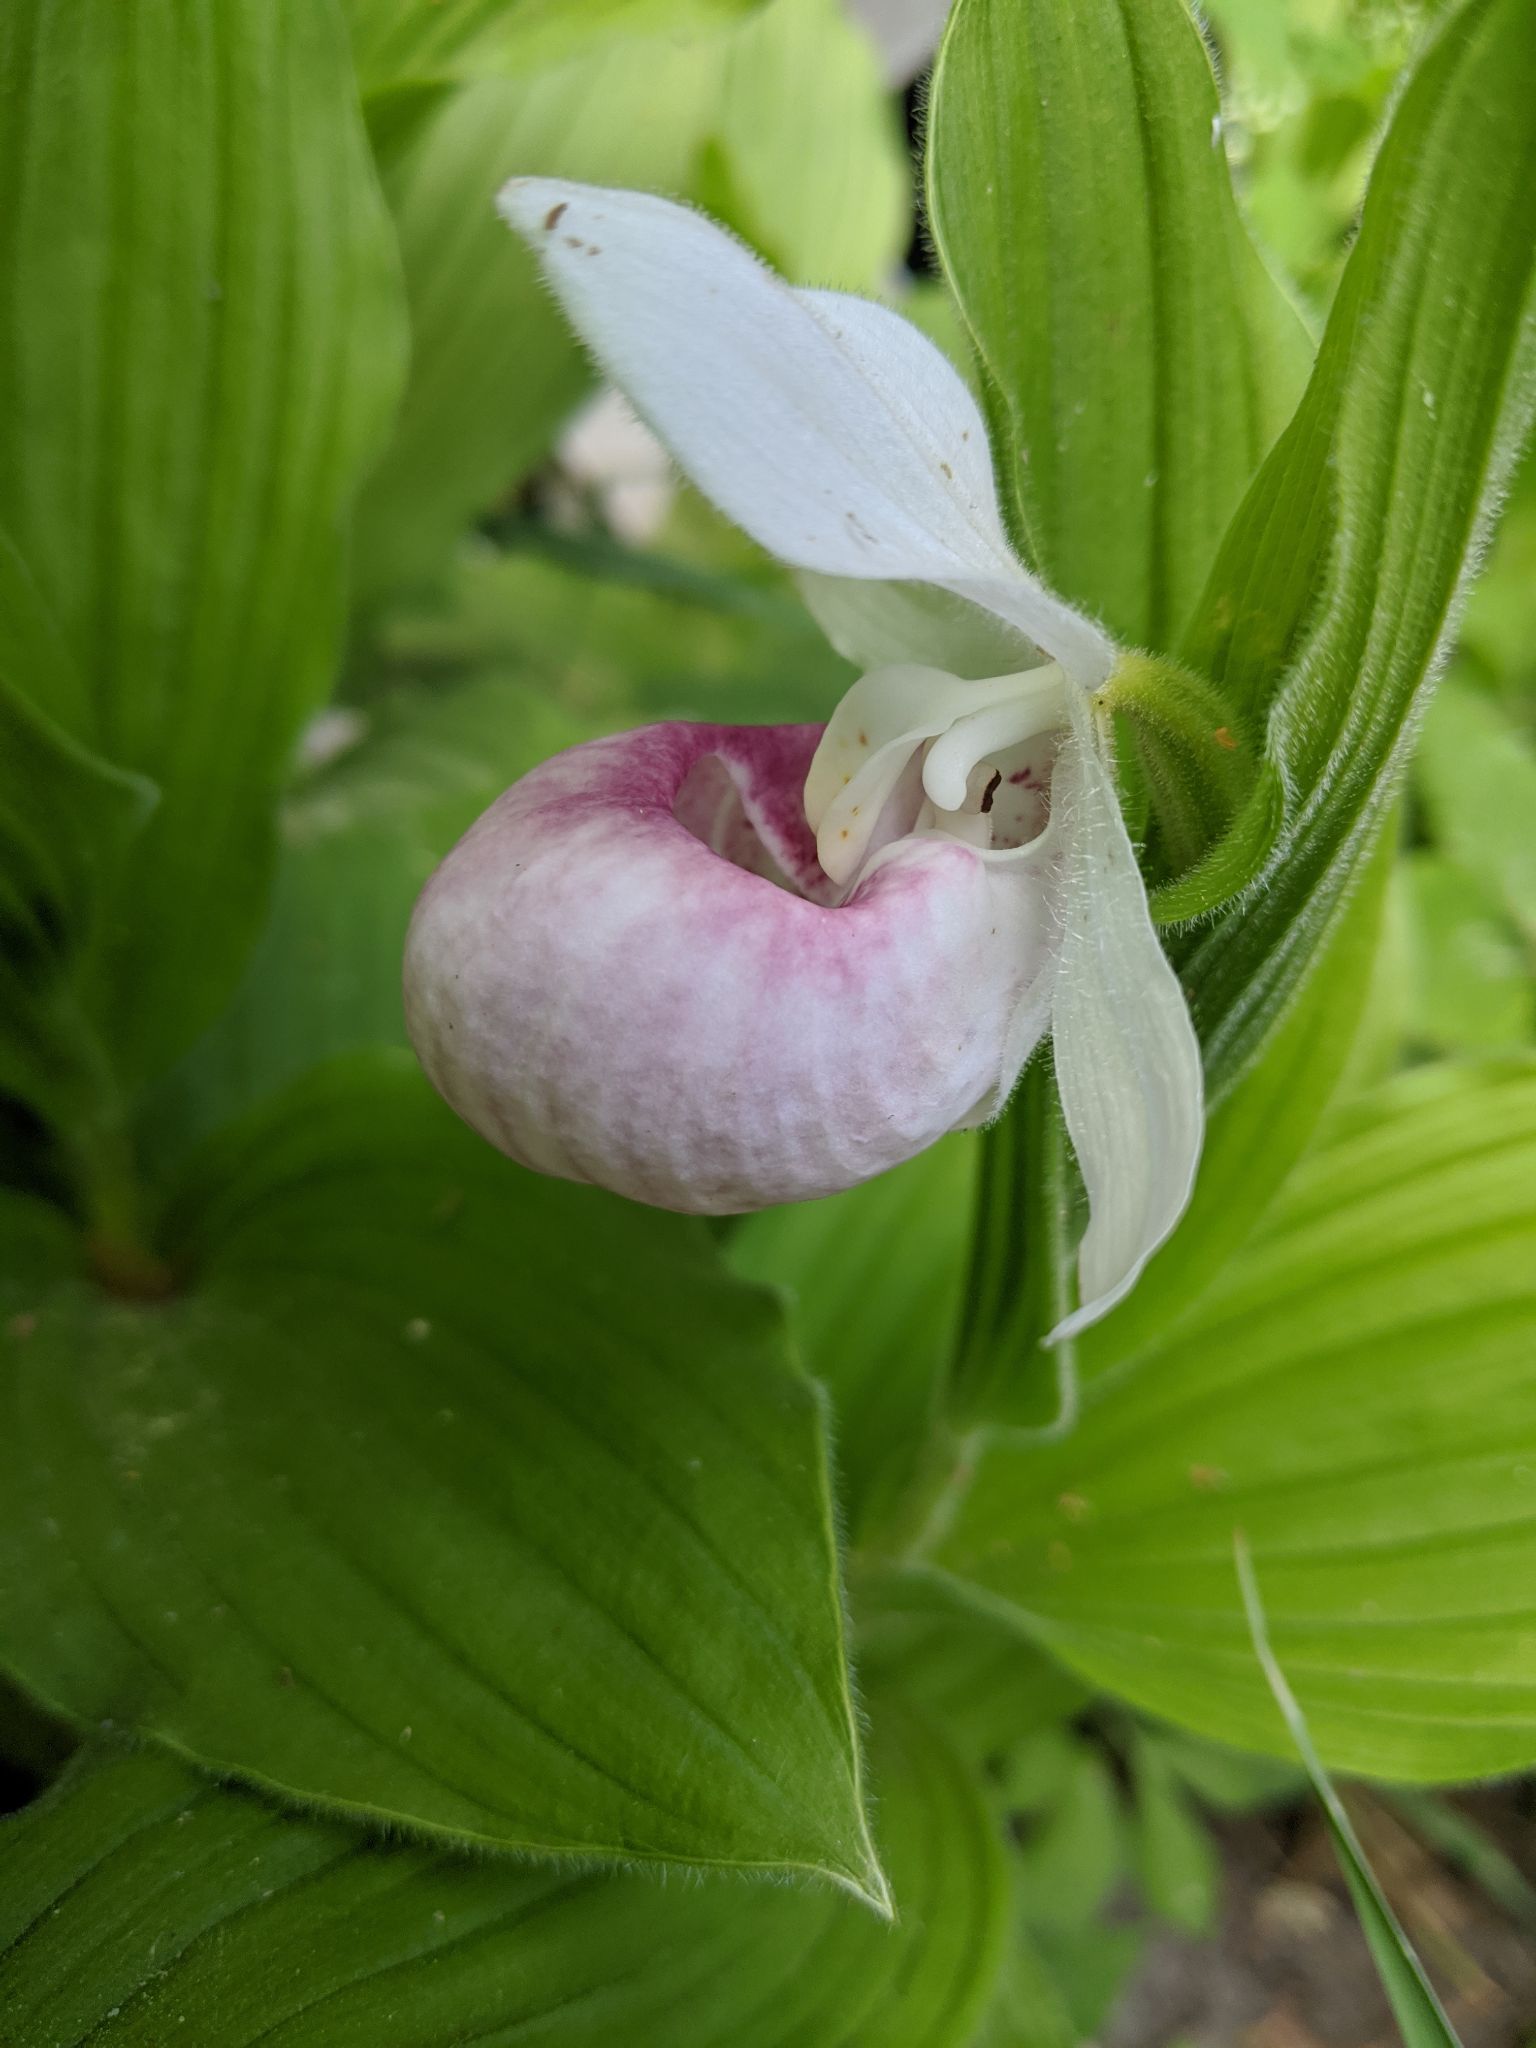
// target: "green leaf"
[[1139, 359], [874, 1279], [1176, 1859], [200, 341], [52, 888], [452, 1497], [412, 40], [784, 124], [146, 1904], [1023, 1271], [986, 1687], [1415, 2006], [1354, 1393], [1469, 977], [1476, 775], [1341, 575]]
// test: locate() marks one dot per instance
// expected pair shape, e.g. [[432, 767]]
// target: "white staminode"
[[844, 442]]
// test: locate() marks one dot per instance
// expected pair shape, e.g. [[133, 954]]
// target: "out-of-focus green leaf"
[[631, 637], [782, 126], [803, 152], [200, 341], [1470, 987], [445, 1495], [145, 1904], [53, 884], [1415, 2007], [1073, 1848], [1476, 776], [874, 1279], [977, 1678], [1355, 1394], [1341, 574], [403, 41], [1176, 1859], [1139, 359]]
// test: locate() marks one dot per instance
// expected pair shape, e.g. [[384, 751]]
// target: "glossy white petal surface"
[[1127, 1060], [827, 427], [611, 997]]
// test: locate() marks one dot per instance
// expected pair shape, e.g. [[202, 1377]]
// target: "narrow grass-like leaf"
[[146, 1905], [1415, 2005], [200, 341], [1138, 358], [454, 1498], [1355, 1393]]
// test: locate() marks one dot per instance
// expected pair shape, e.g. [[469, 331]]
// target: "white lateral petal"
[[1127, 1059], [827, 427]]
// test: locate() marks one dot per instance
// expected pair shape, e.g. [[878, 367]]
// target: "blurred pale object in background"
[[609, 454], [906, 32]]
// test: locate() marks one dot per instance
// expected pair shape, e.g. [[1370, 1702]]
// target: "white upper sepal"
[[827, 427], [1127, 1059]]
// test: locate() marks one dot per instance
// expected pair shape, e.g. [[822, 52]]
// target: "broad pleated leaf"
[[1355, 1395], [1138, 359], [200, 341], [1341, 575], [142, 1901], [442, 1495]]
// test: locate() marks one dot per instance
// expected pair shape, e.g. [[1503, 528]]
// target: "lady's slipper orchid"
[[719, 967]]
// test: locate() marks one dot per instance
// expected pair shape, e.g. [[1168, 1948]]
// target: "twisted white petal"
[[1127, 1059]]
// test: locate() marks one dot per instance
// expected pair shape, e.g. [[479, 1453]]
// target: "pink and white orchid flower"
[[717, 967]]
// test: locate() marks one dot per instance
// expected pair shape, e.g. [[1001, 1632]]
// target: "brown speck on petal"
[[947, 471], [552, 218]]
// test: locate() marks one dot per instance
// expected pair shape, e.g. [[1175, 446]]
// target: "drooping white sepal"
[[1127, 1059]]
